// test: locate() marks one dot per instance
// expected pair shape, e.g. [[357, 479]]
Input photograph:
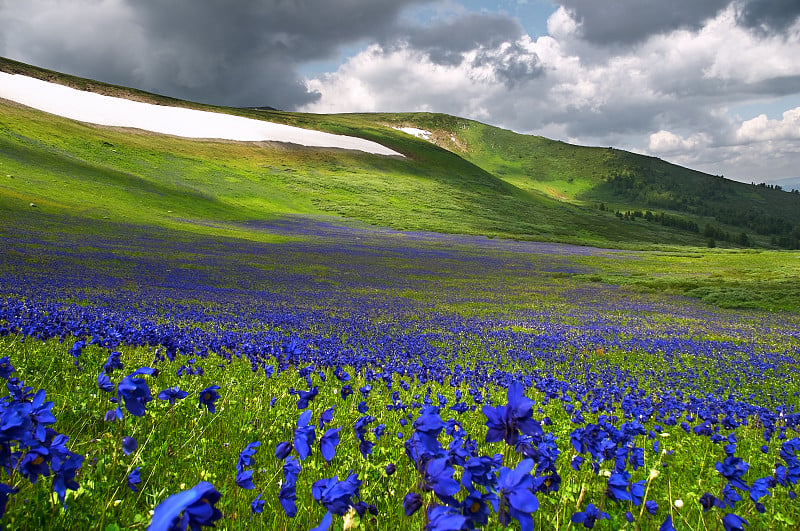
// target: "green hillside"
[[620, 181], [473, 179]]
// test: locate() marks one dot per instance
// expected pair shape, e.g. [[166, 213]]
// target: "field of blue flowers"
[[363, 378]]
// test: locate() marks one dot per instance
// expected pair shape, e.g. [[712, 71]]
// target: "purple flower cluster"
[[28, 444], [357, 323]]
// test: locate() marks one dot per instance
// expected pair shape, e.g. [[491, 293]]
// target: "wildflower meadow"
[[350, 377]]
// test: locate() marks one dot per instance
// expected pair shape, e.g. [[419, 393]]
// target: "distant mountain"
[[788, 183], [462, 177]]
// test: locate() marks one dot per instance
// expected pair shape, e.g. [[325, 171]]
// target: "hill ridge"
[[468, 177]]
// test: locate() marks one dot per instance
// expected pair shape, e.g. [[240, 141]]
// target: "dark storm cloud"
[[445, 42], [776, 86], [769, 15], [247, 52], [242, 53], [631, 21]]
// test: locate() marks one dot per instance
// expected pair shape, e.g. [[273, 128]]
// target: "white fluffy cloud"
[[762, 129], [666, 142], [667, 95]]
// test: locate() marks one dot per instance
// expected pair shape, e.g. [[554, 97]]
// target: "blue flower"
[[134, 478], [707, 501], [134, 392], [618, 484], [637, 492], [411, 503], [760, 488], [246, 456], [347, 390], [172, 394], [505, 423], [729, 497], [113, 362], [283, 449], [192, 508], [208, 397], [589, 516], [516, 500], [443, 518], [304, 435], [733, 468], [35, 463], [481, 470], [5, 372], [732, 522], [328, 443], [104, 383], [288, 492], [326, 417], [244, 479], [129, 445], [651, 506], [76, 350], [336, 496], [306, 396], [257, 505], [428, 426], [5, 492], [41, 415], [360, 428], [439, 478], [65, 465], [667, 525], [476, 508]]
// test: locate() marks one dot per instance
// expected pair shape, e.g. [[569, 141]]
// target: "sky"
[[710, 84]]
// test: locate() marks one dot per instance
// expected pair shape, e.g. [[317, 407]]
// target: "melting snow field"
[[106, 110], [419, 133]]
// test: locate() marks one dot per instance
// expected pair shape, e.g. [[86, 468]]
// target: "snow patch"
[[419, 133], [190, 123]]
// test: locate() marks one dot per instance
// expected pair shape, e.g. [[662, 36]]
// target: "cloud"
[[762, 129], [446, 41], [769, 15], [669, 95], [631, 21], [237, 53], [403, 78], [666, 142]]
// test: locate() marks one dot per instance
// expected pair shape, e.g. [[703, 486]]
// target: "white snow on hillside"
[[106, 110], [419, 133]]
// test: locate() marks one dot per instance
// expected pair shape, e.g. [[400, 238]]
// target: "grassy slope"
[[622, 180], [207, 186], [86, 178]]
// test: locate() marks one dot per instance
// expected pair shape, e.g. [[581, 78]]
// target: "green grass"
[[181, 445], [482, 180], [128, 206], [624, 181], [487, 181], [724, 278]]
